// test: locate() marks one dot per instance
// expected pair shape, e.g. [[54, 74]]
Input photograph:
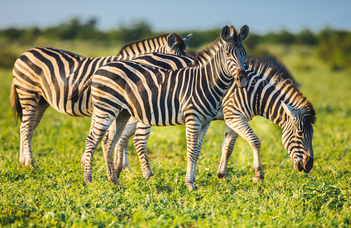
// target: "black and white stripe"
[[44, 77], [157, 97]]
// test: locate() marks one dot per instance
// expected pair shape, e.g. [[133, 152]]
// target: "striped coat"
[[156, 97], [276, 98]]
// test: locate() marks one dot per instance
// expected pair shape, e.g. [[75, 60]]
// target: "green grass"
[[56, 195]]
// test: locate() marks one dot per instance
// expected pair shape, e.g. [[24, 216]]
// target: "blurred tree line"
[[333, 46]]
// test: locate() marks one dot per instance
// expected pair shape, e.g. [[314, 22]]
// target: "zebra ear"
[[289, 110], [233, 32], [171, 40], [244, 33], [225, 33], [187, 39]]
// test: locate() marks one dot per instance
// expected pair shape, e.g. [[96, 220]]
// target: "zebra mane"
[[202, 56], [179, 42], [274, 62], [282, 82]]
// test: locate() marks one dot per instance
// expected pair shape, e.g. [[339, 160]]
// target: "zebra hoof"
[[222, 176], [88, 178], [32, 166], [22, 163], [126, 168], [257, 178], [116, 183], [28, 162], [87, 181], [147, 176], [191, 186]]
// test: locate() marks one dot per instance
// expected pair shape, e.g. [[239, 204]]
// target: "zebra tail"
[[78, 93], [15, 103]]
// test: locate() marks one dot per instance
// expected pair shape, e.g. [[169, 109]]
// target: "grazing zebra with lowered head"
[[157, 97], [48, 76], [270, 95], [142, 131]]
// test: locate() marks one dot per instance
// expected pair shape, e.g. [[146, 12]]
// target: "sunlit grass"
[[56, 195]]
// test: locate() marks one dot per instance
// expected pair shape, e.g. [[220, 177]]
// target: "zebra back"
[[171, 43], [264, 79], [165, 61], [273, 62]]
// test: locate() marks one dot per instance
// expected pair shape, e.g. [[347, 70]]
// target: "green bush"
[[306, 37], [7, 58], [334, 48]]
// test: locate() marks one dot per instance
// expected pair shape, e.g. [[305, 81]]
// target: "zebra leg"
[[125, 158], [100, 122], [38, 116], [30, 108], [141, 138], [122, 143], [242, 127], [109, 143], [193, 130], [83, 159], [230, 137], [201, 137]]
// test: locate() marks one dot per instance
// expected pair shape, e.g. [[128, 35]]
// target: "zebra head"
[[297, 135], [235, 53], [176, 44]]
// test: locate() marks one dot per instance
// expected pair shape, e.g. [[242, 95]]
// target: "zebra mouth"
[[306, 166], [298, 166], [240, 79]]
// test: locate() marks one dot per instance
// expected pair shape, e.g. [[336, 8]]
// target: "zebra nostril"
[[308, 165], [298, 166]]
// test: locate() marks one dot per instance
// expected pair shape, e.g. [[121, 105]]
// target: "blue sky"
[[177, 15]]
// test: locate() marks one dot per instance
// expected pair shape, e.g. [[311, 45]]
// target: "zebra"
[[274, 97], [47, 76], [142, 131], [189, 96]]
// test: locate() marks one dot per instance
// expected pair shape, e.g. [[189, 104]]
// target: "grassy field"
[[56, 195]]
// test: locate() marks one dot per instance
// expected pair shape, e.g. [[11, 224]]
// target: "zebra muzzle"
[[298, 166], [305, 165], [240, 79], [308, 165]]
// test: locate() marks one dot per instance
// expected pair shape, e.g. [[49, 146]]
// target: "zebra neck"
[[215, 75], [274, 111]]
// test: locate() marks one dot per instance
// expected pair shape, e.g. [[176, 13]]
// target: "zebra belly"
[[63, 103], [159, 111]]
